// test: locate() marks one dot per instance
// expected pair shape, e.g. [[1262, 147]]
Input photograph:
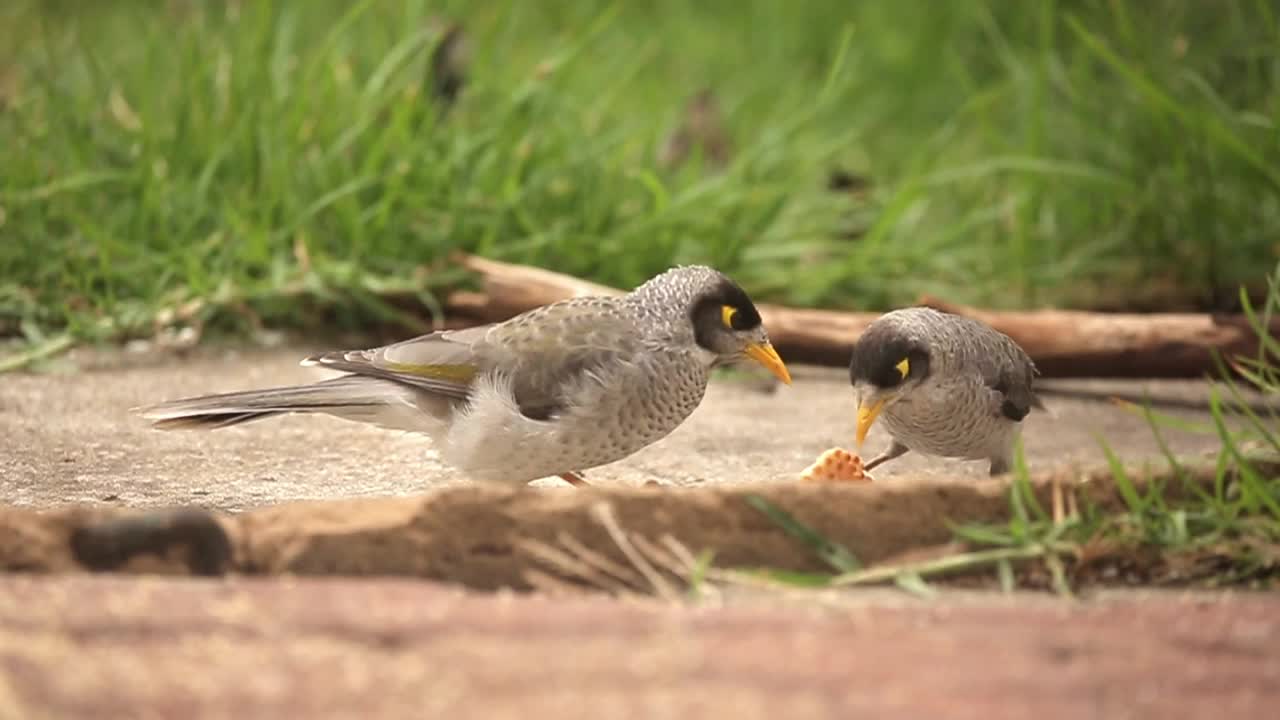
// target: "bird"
[[553, 391], [945, 384]]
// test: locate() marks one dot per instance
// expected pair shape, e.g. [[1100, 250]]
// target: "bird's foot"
[[575, 478], [836, 465]]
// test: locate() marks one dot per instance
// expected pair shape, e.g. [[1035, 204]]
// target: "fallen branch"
[[1070, 342], [512, 289], [1063, 343]]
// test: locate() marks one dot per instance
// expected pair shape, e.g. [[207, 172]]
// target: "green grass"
[[284, 160], [1173, 530]]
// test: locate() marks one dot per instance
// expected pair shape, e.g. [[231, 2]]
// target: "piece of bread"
[[836, 465]]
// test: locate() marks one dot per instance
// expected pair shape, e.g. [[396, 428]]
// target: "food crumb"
[[836, 465]]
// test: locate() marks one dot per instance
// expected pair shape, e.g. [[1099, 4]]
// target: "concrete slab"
[[69, 437], [77, 646]]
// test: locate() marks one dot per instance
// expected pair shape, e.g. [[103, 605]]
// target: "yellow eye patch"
[[726, 315], [904, 368]]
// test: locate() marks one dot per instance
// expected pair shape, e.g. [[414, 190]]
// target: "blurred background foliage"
[[298, 161]]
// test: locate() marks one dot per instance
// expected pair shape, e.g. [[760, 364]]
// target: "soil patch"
[[492, 537]]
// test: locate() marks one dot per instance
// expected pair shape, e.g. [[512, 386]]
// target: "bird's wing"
[[443, 363], [1009, 371], [550, 349], [540, 351]]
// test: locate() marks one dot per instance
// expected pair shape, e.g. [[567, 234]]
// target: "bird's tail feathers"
[[344, 396]]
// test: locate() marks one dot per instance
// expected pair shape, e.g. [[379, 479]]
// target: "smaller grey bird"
[[945, 385], [553, 391]]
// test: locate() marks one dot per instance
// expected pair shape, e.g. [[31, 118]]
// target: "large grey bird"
[[945, 385], [553, 391]]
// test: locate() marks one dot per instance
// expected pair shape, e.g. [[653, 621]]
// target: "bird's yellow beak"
[[866, 418], [764, 354]]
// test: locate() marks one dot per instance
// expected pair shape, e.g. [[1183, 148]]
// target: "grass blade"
[[834, 554]]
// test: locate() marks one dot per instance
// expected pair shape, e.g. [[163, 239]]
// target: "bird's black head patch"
[[886, 358], [726, 307]]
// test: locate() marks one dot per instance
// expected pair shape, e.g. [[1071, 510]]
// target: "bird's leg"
[[896, 449], [1000, 466], [575, 478]]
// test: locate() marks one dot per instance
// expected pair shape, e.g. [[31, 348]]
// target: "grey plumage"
[[962, 392], [553, 391]]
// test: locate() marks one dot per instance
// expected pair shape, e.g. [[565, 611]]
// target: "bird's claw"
[[575, 478]]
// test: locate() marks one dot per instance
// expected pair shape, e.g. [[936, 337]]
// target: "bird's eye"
[[904, 368], [727, 313]]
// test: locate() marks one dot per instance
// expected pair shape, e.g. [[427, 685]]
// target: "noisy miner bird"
[[553, 391], [945, 385]]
